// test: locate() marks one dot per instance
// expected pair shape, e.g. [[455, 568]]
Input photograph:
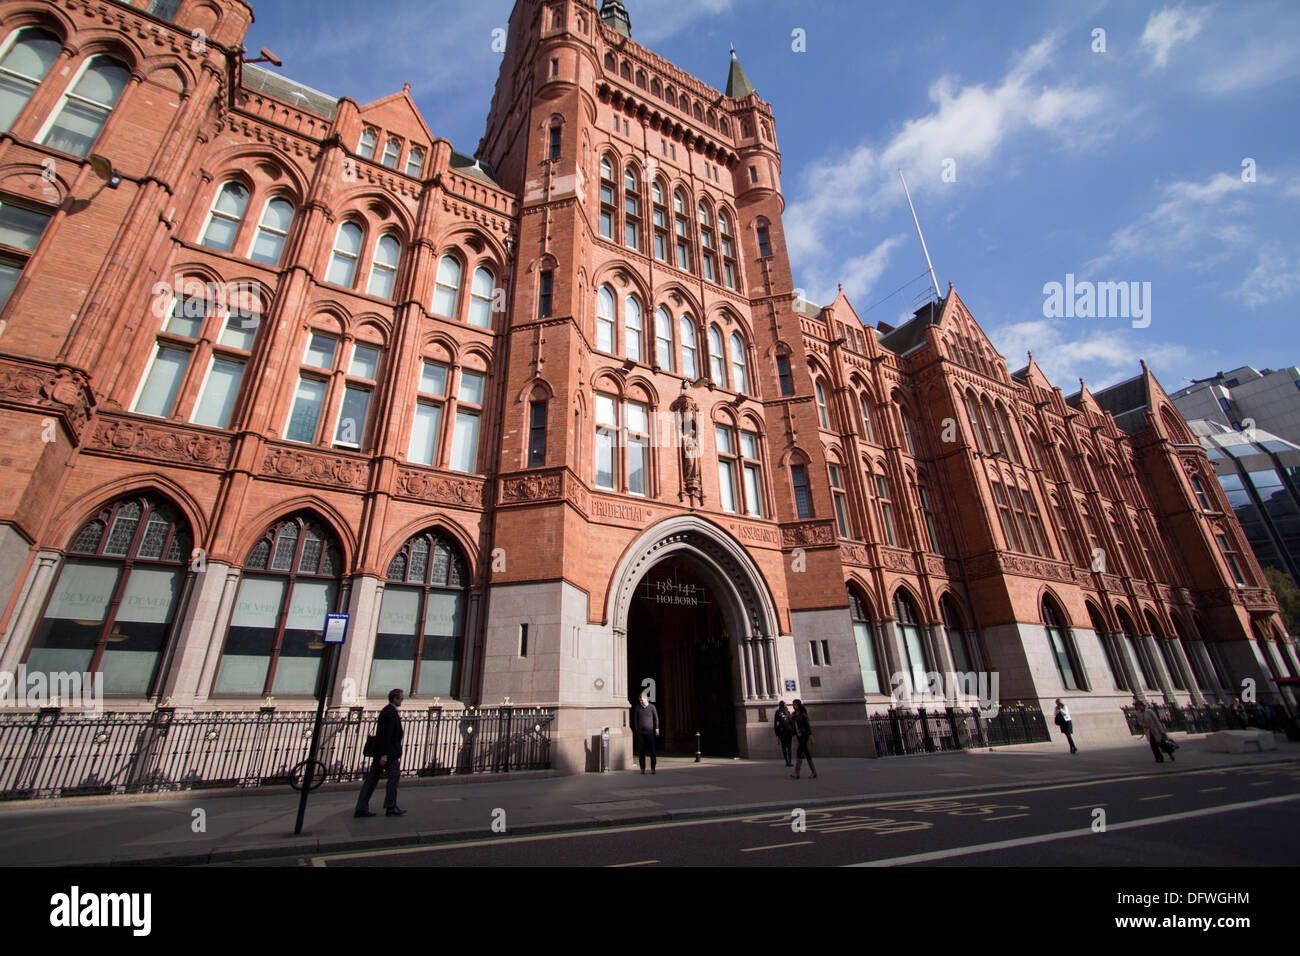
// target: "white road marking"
[[614, 866], [1068, 834], [637, 828], [1009, 816], [1092, 806], [1213, 789], [1158, 796], [775, 846]]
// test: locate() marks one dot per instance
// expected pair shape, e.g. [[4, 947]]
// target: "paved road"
[[1221, 817]]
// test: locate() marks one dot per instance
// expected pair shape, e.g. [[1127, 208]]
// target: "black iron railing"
[[1213, 717], [901, 732], [56, 753]]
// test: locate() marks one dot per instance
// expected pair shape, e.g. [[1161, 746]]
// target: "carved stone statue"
[[687, 415]]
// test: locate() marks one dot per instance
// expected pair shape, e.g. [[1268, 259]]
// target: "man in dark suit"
[[388, 740]]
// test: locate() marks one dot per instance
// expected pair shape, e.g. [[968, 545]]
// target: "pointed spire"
[[738, 85], [615, 16]]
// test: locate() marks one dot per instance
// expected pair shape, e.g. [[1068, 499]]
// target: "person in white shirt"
[[1063, 721]]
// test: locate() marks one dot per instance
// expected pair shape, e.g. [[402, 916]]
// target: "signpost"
[[334, 634]]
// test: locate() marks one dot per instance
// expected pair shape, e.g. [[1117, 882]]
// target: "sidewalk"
[[134, 829]]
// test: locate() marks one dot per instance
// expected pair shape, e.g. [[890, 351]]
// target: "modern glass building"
[[1260, 473]]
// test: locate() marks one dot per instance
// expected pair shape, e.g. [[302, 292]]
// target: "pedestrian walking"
[[1155, 731], [645, 728], [803, 733], [386, 749], [784, 730], [1063, 721]]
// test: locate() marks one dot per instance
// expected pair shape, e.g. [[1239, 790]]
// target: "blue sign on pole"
[[336, 628]]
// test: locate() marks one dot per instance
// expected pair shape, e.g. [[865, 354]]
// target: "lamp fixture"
[[102, 167]]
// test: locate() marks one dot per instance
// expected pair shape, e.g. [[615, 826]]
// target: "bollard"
[[604, 750], [697, 746]]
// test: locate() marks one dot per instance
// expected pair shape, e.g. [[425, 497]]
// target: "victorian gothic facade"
[[549, 423]]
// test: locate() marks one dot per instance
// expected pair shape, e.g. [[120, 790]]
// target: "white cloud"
[[1186, 216], [1274, 277], [969, 124], [858, 275], [1167, 28], [1099, 355], [656, 20]]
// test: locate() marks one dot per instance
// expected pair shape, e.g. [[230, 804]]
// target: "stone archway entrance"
[[679, 651], [691, 612]]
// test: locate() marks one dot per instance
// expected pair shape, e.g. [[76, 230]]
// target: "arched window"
[[907, 431], [1137, 648], [193, 320], [291, 580], [347, 252], [480, 298], [608, 212], [1109, 646], [383, 267], [884, 501], [717, 358], [663, 339], [111, 610], [740, 470], [631, 209], [864, 405], [366, 145], [84, 109], [1062, 644], [415, 162], [272, 231], [226, 217], [605, 320], [1202, 499], [823, 413], [909, 630], [864, 637], [421, 619], [632, 329], [728, 247], [392, 152], [446, 289], [977, 431], [659, 214], [708, 251], [22, 69], [965, 653], [682, 229], [622, 466], [1008, 438], [739, 380], [690, 350], [1166, 648]]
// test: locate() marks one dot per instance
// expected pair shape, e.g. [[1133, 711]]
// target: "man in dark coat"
[[388, 756], [645, 728]]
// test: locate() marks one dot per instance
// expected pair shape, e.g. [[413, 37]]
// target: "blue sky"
[[1122, 165]]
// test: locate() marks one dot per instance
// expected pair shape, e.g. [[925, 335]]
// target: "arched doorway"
[[680, 652], [690, 610]]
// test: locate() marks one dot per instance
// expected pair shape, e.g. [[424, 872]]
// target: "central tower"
[[652, 299]]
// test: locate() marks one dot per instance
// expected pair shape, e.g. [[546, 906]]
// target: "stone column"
[[27, 615], [221, 620]]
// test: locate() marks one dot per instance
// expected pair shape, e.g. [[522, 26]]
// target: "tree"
[[1288, 598]]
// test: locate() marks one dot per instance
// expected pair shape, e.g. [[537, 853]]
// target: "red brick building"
[[550, 424]]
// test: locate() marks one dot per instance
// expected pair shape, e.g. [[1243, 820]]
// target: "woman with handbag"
[[1063, 721], [1157, 737], [803, 733]]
